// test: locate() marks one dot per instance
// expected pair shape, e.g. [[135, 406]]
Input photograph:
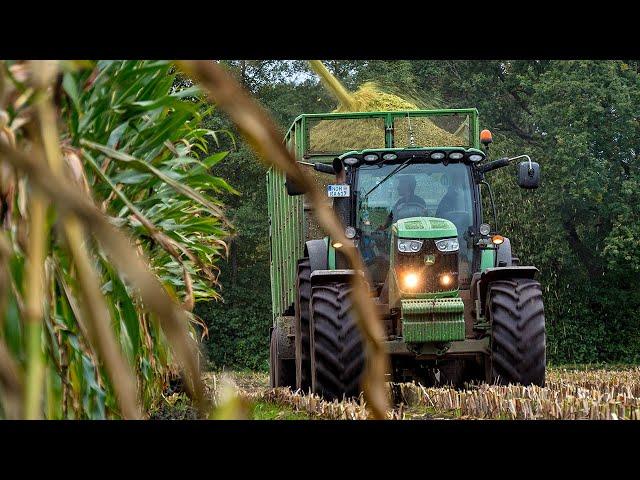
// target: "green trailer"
[[408, 186]]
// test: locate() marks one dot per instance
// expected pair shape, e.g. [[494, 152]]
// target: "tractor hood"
[[424, 227]]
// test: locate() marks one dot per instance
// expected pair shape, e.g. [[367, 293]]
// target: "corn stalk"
[[138, 239]]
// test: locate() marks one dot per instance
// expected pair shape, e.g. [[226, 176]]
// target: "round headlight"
[[349, 232], [448, 245], [437, 155], [485, 229], [411, 280], [389, 156], [446, 280], [351, 161], [371, 157], [406, 245], [475, 157], [456, 155]]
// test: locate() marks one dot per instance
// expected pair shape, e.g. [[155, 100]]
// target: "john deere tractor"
[[408, 186]]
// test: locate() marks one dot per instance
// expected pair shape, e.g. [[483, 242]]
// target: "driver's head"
[[406, 185]]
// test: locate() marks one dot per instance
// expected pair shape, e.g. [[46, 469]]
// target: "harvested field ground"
[[570, 393]]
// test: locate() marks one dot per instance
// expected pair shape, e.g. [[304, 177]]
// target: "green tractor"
[[456, 304]]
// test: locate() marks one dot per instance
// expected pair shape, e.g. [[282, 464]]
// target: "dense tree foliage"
[[579, 119]]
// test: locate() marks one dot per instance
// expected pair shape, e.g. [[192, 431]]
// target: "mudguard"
[[481, 282], [317, 252], [503, 255]]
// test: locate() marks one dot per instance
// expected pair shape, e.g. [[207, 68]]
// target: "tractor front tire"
[[518, 338], [337, 352], [301, 325]]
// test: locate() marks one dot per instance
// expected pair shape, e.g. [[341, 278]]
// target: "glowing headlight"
[[447, 244], [437, 155], [446, 280], [389, 156], [475, 158], [370, 158], [411, 281], [409, 246], [456, 155], [351, 161]]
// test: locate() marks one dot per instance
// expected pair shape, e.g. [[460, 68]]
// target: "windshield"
[[418, 189]]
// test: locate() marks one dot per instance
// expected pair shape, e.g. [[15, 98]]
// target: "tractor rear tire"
[[337, 352], [281, 370], [301, 325], [518, 338]]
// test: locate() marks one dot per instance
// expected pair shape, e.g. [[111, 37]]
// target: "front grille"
[[445, 263]]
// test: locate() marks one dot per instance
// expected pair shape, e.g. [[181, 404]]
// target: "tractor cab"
[[414, 196]]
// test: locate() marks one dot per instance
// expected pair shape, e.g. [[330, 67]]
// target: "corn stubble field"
[[569, 394]]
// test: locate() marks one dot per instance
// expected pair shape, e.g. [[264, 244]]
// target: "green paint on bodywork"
[[424, 227], [487, 259], [436, 320]]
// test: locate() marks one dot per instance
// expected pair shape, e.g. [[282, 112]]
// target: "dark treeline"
[[581, 228]]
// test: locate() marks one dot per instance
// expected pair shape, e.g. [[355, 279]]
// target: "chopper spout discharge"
[[333, 84], [336, 136]]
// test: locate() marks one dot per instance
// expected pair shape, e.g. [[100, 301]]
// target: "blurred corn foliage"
[[128, 136]]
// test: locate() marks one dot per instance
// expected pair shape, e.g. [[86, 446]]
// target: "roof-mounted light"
[[371, 158], [351, 161], [476, 157], [456, 155], [485, 137], [437, 155], [389, 157]]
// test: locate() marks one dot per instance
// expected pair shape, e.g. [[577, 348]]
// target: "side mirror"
[[529, 175]]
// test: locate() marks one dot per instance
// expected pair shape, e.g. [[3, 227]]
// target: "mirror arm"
[[523, 156], [502, 162], [493, 204], [319, 167], [487, 167]]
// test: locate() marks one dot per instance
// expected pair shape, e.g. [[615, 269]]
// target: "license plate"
[[337, 190]]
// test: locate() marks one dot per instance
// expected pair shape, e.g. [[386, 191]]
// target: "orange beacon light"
[[485, 137]]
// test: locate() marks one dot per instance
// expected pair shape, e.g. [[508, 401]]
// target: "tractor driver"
[[411, 203]]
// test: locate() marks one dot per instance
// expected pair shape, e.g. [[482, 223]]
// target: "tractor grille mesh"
[[428, 274]]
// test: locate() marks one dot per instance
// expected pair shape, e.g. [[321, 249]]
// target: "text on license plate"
[[337, 190]]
